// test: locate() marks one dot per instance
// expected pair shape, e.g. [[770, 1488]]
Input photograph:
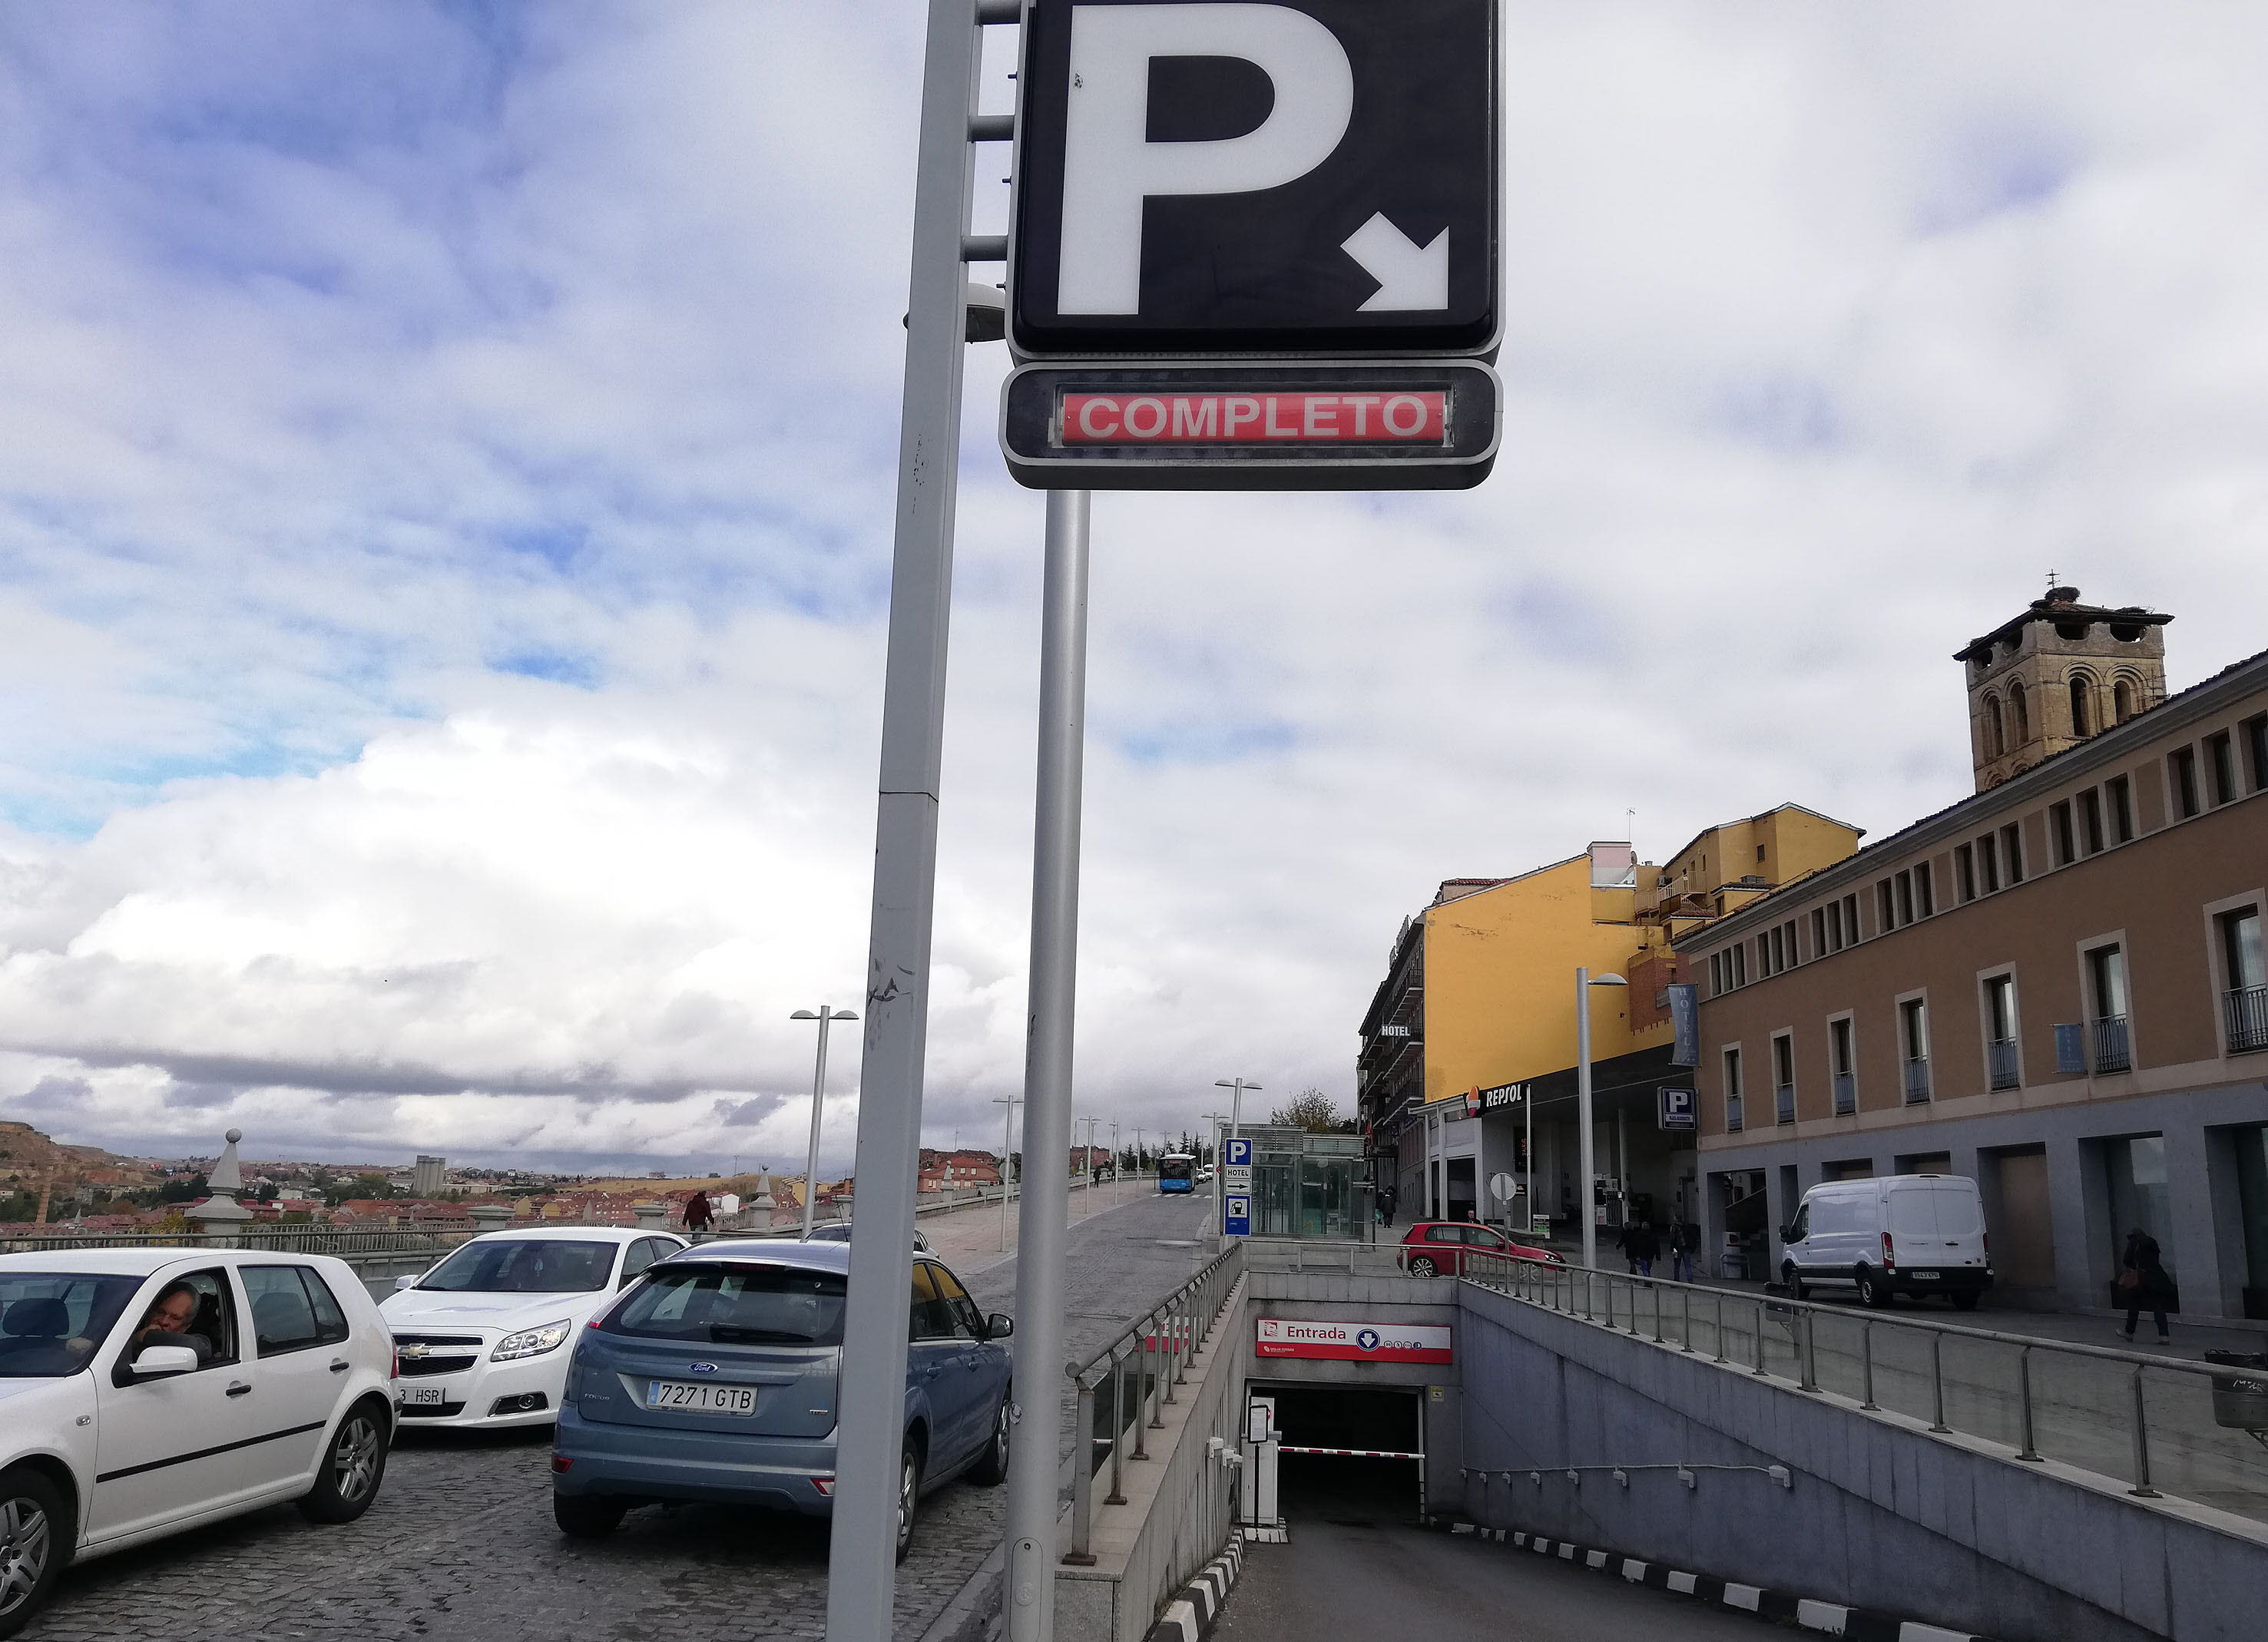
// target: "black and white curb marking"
[[1860, 1624], [1189, 1615]]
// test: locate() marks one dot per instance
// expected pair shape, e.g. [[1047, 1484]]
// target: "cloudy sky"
[[446, 460]]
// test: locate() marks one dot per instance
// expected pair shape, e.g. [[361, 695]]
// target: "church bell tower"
[[2058, 674]]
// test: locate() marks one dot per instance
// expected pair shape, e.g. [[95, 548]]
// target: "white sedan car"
[[484, 1337], [143, 1391]]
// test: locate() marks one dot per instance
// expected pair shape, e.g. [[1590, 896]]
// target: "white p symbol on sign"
[[1109, 165]]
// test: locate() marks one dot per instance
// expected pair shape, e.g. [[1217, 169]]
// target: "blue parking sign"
[[1236, 1214], [1678, 1109], [1238, 1152]]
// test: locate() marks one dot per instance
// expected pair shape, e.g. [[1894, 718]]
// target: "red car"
[[1438, 1247]]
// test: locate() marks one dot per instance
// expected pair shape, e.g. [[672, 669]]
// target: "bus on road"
[[1176, 1171]]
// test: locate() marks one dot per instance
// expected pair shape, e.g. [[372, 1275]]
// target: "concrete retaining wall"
[[1881, 1512]]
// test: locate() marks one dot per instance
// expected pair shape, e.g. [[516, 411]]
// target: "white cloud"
[[445, 487]]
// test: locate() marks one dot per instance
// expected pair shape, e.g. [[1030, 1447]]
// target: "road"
[[1357, 1567], [461, 1545]]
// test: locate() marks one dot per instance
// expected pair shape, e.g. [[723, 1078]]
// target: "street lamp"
[[1584, 981], [1217, 1119], [1007, 1139], [1086, 1157], [818, 1093], [1117, 1195], [1235, 1104]]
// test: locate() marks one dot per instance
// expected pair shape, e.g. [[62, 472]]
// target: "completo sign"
[[1354, 1341], [1284, 427], [1251, 418]]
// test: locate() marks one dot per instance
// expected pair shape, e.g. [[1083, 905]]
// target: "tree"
[[1312, 1110]]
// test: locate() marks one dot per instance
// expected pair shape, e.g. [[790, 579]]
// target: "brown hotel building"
[[2055, 987]]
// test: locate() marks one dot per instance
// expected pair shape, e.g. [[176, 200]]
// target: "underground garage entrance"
[[1347, 1454]]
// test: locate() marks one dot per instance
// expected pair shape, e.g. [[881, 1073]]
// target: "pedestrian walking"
[[699, 1215], [2144, 1283], [1684, 1243], [1386, 1200], [1644, 1245]]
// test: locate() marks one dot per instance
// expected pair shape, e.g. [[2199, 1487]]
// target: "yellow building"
[[1470, 1042]]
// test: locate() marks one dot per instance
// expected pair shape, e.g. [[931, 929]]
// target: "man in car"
[[167, 1324]]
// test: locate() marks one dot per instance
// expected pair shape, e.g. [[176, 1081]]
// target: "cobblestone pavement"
[[460, 1543]]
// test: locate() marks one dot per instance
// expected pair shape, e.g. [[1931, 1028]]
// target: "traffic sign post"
[[1236, 1214]]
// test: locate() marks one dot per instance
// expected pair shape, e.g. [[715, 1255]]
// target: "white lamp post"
[[818, 1094], [1583, 983], [1235, 1105]]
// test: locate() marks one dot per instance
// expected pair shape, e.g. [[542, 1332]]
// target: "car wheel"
[[993, 1470], [346, 1480], [909, 1476], [1423, 1267], [1963, 1302], [1796, 1288], [587, 1516], [35, 1543], [1873, 1292]]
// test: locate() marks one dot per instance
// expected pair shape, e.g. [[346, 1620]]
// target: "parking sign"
[[1678, 1109], [1237, 1152]]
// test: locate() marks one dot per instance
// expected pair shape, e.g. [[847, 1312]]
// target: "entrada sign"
[[1308, 182], [1353, 1342]]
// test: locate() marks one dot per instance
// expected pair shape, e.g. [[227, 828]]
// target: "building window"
[[1885, 908], [2090, 820], [1988, 861], [1913, 1041], [1760, 852], [2245, 1002], [2106, 979], [1964, 870], [1717, 975], [2019, 712], [1835, 935], [2000, 1032], [1926, 888], [2059, 829], [2120, 792], [1819, 932], [2122, 697], [1739, 966], [1784, 1076], [1851, 918], [2012, 852], [1843, 1066], [1994, 740], [2082, 705], [1904, 884], [2255, 748], [2220, 763], [2182, 762], [1733, 1090]]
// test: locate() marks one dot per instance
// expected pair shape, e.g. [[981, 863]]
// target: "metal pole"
[[2141, 1489], [1528, 1104], [862, 1561], [1583, 1118], [1008, 1104], [2031, 1448], [1039, 1337], [1937, 1380], [1866, 1361], [818, 1094]]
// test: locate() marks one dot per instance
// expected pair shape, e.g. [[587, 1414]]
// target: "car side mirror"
[[163, 1362], [1787, 1234], [400, 1283], [999, 1326]]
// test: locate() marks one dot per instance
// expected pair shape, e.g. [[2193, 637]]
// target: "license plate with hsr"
[[423, 1396], [700, 1399]]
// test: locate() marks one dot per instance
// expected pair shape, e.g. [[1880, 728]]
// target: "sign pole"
[[1039, 1251], [1584, 1205], [862, 1562]]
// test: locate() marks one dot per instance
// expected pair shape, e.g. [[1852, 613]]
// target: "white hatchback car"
[[143, 1391], [484, 1335]]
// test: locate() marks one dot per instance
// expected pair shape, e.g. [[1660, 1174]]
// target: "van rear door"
[[1937, 1223]]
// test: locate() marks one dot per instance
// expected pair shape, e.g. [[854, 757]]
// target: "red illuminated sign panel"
[[1256, 418]]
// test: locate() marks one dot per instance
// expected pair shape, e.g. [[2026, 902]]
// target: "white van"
[[1901, 1234]]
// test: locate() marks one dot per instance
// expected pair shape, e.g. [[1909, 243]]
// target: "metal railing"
[[1784, 1102], [2000, 1057], [296, 1240], [2163, 1425], [2246, 1010], [2112, 1052], [1916, 1079], [1733, 1113], [1124, 1389], [1846, 1095]]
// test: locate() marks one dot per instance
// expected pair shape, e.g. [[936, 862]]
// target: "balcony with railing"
[[1784, 1102], [2000, 1053], [1846, 1095], [1733, 1113], [2246, 1008], [2111, 1053], [1916, 1079]]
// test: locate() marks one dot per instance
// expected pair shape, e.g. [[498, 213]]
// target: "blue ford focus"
[[714, 1380]]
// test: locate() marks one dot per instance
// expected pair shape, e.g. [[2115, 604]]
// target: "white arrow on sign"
[[1410, 278]]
